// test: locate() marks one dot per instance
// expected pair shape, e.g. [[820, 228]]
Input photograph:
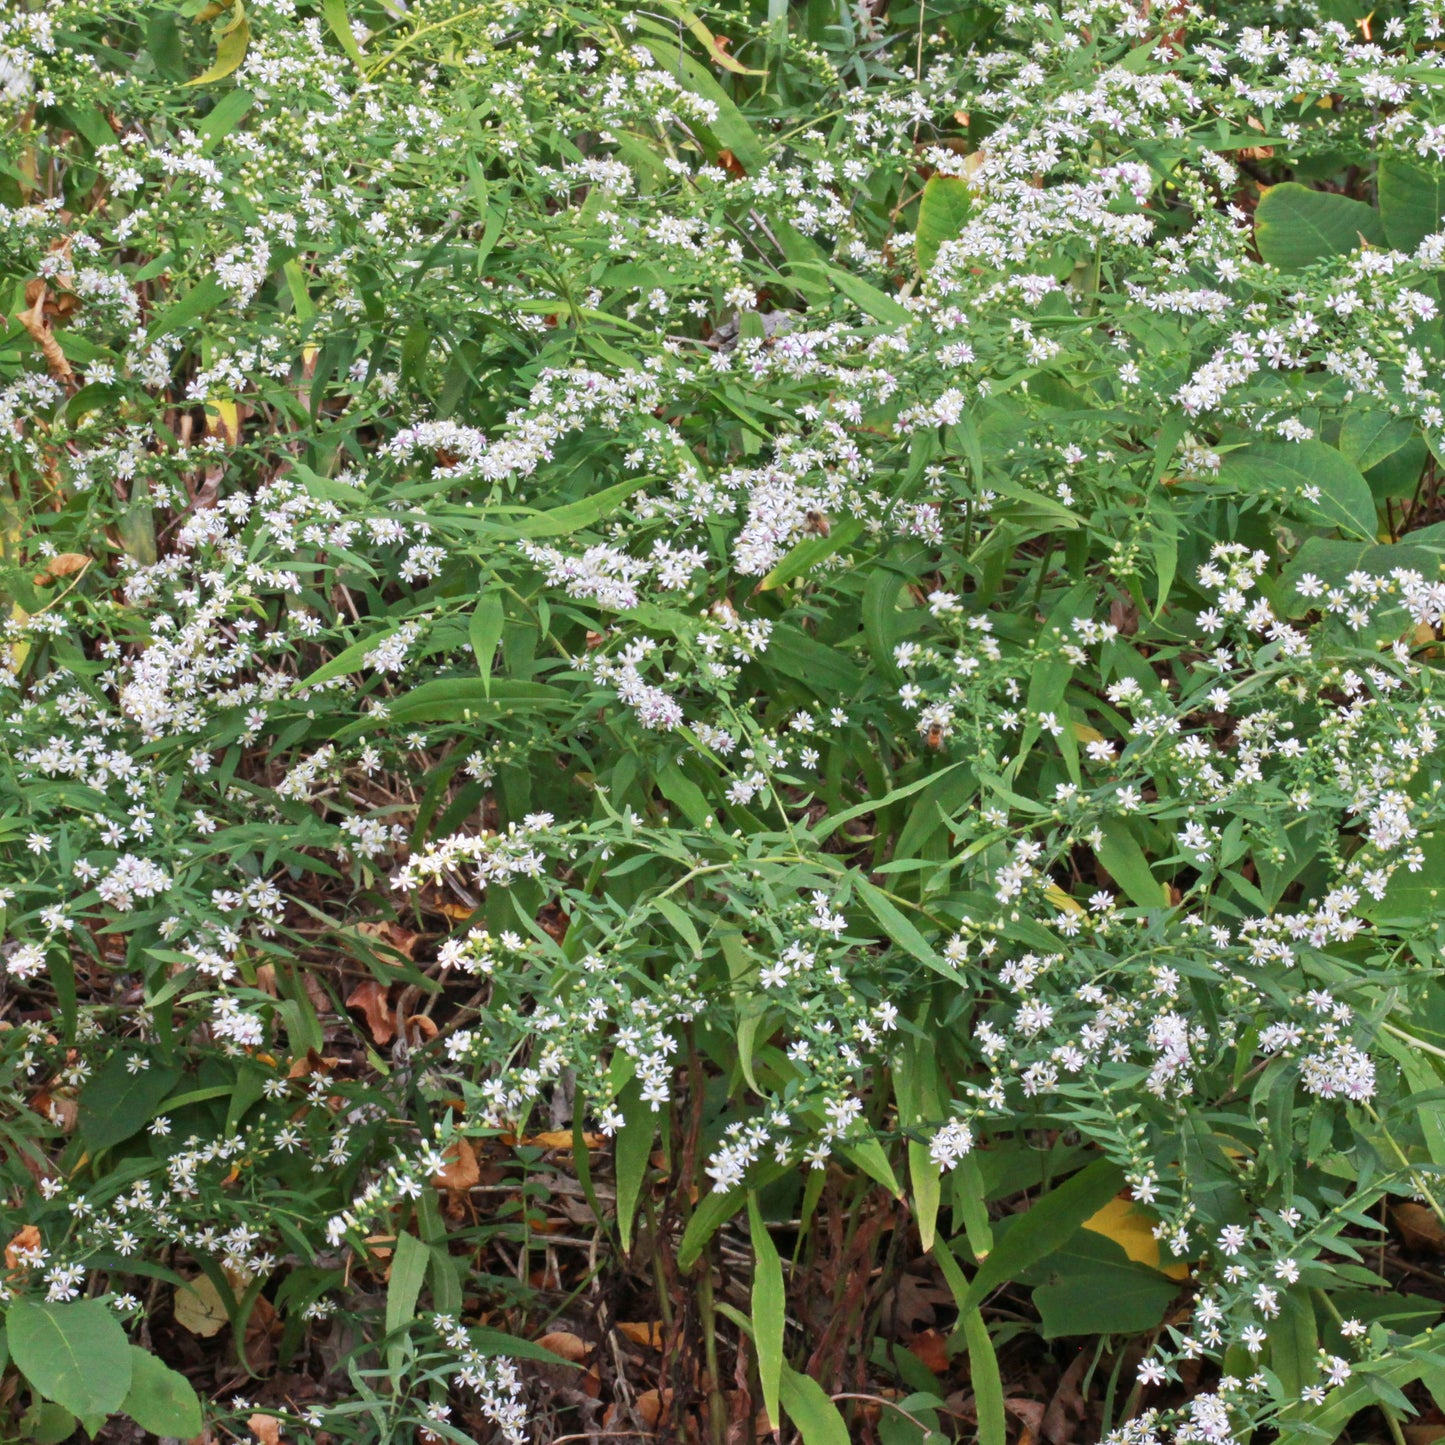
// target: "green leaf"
[[223, 117], [712, 1212], [1414, 895], [484, 633], [45, 1423], [1368, 438], [812, 1411], [942, 214], [869, 1156], [195, 303], [1293, 1343], [349, 659], [632, 1148], [1345, 500], [1124, 859], [1120, 1299], [1048, 1226], [451, 699], [925, 1174], [1412, 202], [1422, 1078], [563, 521], [769, 1309], [340, 26], [117, 1104], [708, 41], [898, 928], [137, 528], [230, 52], [495, 1342], [866, 297], [830, 823], [983, 1375], [1295, 226], [809, 552], [75, 1354], [408, 1273], [161, 1400], [1332, 561]]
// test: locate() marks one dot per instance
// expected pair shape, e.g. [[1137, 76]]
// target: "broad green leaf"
[[1332, 561], [1295, 226], [803, 658], [45, 1423], [942, 214], [812, 1410], [1414, 895], [869, 1156], [1121, 855], [1315, 480], [713, 1211], [1293, 1343], [1120, 1299], [452, 699], [1367, 438], [161, 1400], [866, 297], [769, 1304], [75, 1354], [1047, 1226], [1422, 1078], [563, 521], [116, 1103], [1412, 202], [830, 824], [708, 40], [349, 659], [137, 530]]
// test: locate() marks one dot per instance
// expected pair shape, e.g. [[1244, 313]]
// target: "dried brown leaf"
[[64, 564], [462, 1170], [566, 1346], [1419, 1228], [643, 1332], [33, 320], [26, 1240], [266, 1428], [370, 998]]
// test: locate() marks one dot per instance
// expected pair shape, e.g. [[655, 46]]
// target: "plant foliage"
[[800, 625]]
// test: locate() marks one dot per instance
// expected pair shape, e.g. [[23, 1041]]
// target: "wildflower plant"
[[851, 615]]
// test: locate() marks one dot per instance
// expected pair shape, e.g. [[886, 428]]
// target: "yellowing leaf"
[[200, 1309], [1133, 1232], [19, 651], [1060, 899], [230, 52], [226, 423]]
